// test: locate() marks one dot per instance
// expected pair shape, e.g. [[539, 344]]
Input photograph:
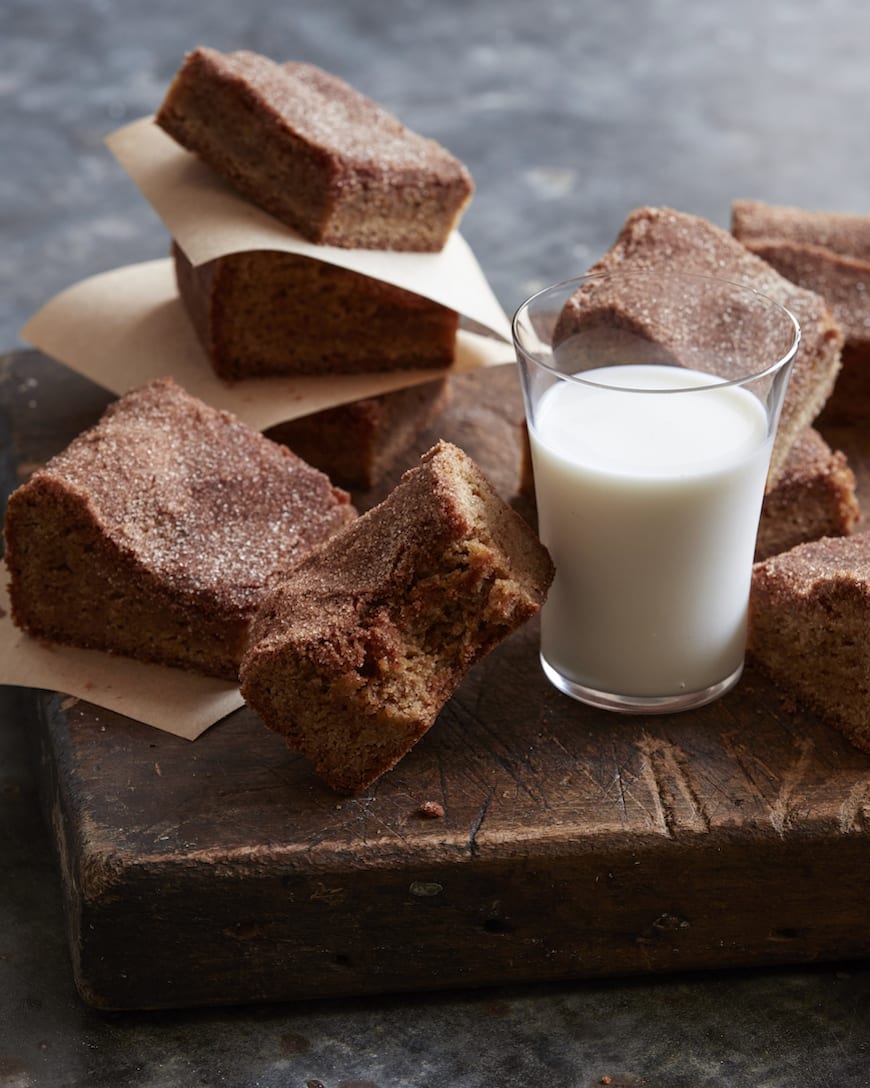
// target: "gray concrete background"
[[568, 115]]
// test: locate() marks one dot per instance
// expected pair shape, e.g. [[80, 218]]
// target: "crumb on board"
[[430, 810], [789, 704]]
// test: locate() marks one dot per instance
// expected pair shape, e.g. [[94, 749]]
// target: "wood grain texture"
[[574, 843]]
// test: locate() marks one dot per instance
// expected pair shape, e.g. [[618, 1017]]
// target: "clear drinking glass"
[[652, 402]]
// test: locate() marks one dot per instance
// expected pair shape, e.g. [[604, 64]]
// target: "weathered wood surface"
[[573, 843]]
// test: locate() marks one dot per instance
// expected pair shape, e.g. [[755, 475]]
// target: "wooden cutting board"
[[574, 843]]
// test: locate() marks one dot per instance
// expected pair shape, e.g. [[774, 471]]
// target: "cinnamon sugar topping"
[[203, 500]]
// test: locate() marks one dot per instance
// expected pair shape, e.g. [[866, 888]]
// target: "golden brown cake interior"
[[355, 653], [814, 497], [808, 619], [357, 444], [321, 157], [264, 312], [156, 533]]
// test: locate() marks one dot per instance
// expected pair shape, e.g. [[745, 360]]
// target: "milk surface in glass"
[[649, 503]]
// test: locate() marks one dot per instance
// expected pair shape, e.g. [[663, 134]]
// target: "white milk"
[[649, 504]]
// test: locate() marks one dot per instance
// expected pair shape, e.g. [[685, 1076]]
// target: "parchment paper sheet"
[[123, 328], [173, 700], [209, 219]]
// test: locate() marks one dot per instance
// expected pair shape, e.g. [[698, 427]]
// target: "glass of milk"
[[652, 401]]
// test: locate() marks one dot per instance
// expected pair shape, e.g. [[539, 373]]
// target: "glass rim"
[[648, 273]]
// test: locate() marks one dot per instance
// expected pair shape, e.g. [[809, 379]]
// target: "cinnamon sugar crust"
[[808, 621], [314, 152], [838, 232], [156, 533], [354, 654], [663, 238]]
